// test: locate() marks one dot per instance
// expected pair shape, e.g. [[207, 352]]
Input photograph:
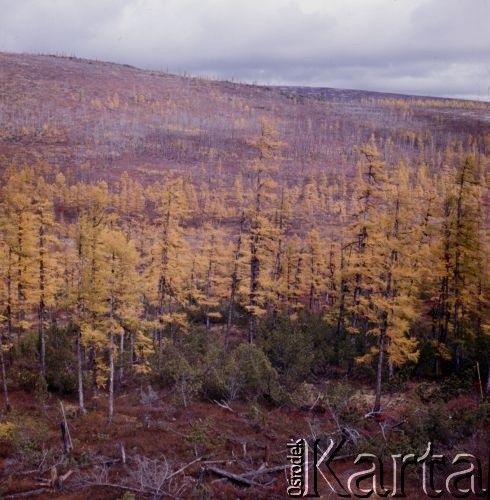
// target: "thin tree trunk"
[[312, 282], [343, 291], [254, 262], [162, 286], [81, 403], [111, 345], [42, 286], [42, 340], [457, 274], [487, 389], [9, 306], [389, 291], [254, 285], [121, 357], [93, 364], [445, 310], [21, 295], [111, 377], [277, 268], [131, 349], [379, 369], [208, 294], [4, 376], [297, 281]]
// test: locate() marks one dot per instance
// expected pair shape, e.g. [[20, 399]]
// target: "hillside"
[[98, 119]]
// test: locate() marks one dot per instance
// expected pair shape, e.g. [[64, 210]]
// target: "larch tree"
[[367, 197], [316, 263], [382, 307], [122, 294], [259, 224], [280, 224], [465, 246], [166, 271], [235, 277], [339, 314], [46, 262], [207, 285], [4, 315], [394, 299], [293, 268], [20, 237], [130, 204], [89, 285]]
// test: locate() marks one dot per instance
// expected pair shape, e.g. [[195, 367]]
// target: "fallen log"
[[279, 468], [270, 470], [26, 494], [234, 477], [120, 487]]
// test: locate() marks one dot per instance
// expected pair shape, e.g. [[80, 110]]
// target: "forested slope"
[[233, 241]]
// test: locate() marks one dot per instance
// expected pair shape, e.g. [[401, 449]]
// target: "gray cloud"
[[429, 47]]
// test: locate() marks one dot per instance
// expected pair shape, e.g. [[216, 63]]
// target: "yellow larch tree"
[[166, 271], [258, 217], [46, 257], [122, 294], [382, 302], [89, 283], [20, 238]]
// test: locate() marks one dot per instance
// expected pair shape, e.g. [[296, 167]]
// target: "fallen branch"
[[182, 469], [314, 404], [234, 477], [110, 461], [270, 470], [26, 472], [382, 426], [224, 405], [65, 432], [208, 462], [120, 487], [397, 425], [55, 481], [123, 453], [372, 414], [62, 479], [279, 468]]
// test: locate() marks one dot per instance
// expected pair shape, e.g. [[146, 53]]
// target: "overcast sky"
[[426, 47]]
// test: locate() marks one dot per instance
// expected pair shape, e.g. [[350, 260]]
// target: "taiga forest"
[[194, 272]]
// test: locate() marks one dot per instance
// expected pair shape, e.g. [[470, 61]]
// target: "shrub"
[[250, 368], [290, 349], [61, 364], [198, 436], [431, 423], [174, 370], [216, 385], [450, 388], [170, 364]]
